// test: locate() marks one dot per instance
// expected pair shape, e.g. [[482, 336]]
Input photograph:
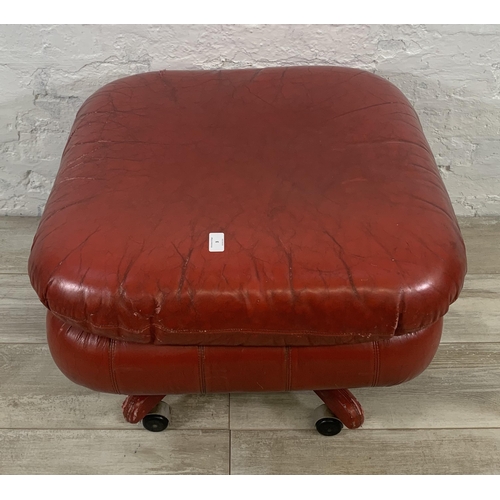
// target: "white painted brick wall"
[[450, 73]]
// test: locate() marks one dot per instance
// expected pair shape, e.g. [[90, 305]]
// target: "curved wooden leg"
[[343, 404], [135, 408]]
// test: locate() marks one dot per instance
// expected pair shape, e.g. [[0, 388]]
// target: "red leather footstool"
[[248, 230]]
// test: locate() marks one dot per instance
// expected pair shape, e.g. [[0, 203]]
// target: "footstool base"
[[342, 404]]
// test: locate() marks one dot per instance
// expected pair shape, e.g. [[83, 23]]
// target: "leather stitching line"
[[376, 352], [288, 363], [111, 355], [201, 368], [69, 320]]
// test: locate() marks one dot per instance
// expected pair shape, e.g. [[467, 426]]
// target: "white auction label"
[[216, 242]]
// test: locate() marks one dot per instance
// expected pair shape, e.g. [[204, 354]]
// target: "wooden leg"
[[343, 404], [135, 408]]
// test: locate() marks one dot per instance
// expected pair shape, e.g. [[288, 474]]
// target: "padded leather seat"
[[338, 233]]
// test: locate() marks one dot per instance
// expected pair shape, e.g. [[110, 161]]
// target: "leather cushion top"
[[337, 225]]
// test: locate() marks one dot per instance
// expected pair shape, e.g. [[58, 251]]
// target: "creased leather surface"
[[338, 228], [109, 365]]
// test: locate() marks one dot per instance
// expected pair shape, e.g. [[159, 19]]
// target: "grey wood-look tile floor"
[[446, 421]]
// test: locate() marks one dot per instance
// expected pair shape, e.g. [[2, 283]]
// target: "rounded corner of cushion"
[[93, 100], [427, 300], [406, 356], [93, 370]]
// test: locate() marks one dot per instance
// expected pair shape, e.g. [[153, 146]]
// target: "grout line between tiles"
[[230, 451], [309, 430], [380, 429], [12, 272], [99, 429], [22, 343]]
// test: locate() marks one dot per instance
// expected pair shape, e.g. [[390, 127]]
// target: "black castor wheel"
[[329, 426], [158, 418], [155, 423]]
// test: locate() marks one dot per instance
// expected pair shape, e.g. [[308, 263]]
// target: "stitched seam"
[[376, 353], [201, 368], [288, 363], [111, 354], [69, 320]]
